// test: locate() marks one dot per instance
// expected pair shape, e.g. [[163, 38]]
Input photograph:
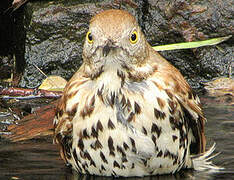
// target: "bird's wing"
[[63, 121], [195, 120], [179, 90]]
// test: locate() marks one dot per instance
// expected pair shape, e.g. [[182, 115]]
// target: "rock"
[[12, 42], [56, 33], [179, 21], [220, 87]]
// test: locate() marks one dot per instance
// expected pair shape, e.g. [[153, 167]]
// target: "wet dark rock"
[[12, 42], [56, 33], [6, 66], [179, 21]]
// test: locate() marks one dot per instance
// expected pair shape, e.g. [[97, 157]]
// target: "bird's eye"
[[133, 37], [89, 37]]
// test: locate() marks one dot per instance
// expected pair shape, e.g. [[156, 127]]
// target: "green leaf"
[[189, 45]]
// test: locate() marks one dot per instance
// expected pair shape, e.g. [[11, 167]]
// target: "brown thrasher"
[[127, 111]]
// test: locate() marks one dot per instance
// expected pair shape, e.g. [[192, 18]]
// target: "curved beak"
[[107, 48]]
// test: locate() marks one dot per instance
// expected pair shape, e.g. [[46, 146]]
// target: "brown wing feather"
[[63, 119], [189, 102]]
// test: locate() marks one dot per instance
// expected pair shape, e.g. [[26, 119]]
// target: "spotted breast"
[[127, 111]]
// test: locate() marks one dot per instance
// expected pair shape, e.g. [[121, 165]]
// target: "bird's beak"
[[107, 48]]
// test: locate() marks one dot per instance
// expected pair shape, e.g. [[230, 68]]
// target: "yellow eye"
[[133, 37], [89, 37]]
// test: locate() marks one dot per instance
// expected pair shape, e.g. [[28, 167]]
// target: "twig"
[[28, 93]]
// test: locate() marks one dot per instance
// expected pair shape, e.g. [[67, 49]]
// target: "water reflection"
[[39, 159]]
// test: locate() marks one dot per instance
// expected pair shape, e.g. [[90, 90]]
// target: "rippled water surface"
[[39, 159]]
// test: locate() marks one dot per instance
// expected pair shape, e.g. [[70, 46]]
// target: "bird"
[[127, 111]]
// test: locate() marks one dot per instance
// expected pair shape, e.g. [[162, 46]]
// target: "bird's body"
[[127, 111]]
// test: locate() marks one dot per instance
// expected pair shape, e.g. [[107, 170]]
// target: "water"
[[39, 159]]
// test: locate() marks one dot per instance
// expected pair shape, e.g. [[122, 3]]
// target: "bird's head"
[[114, 39]]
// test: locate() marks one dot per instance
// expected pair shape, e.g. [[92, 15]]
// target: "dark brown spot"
[[120, 74], [128, 104], [99, 93], [123, 101], [82, 154], [85, 165], [124, 159], [124, 66], [103, 157], [156, 129], [111, 146], [110, 124], [154, 139], [71, 94], [133, 165], [131, 117], [137, 108], [94, 133], [158, 114], [87, 156], [144, 162], [115, 164], [92, 163], [99, 126], [85, 134], [97, 73], [185, 152], [114, 173], [172, 106], [119, 149], [132, 77], [182, 143], [173, 156], [174, 123], [159, 154], [112, 153], [73, 110], [96, 145], [103, 168], [170, 95], [161, 102], [126, 147], [92, 101], [76, 159], [174, 137], [88, 109], [166, 153], [81, 144], [133, 145], [66, 142], [122, 77], [112, 98], [60, 112], [144, 130], [59, 138]]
